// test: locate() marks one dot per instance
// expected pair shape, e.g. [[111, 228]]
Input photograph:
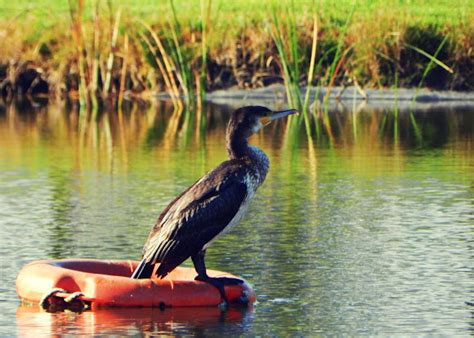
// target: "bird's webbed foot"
[[228, 280], [219, 283]]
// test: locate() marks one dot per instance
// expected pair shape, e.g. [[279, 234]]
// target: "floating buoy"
[[107, 283]]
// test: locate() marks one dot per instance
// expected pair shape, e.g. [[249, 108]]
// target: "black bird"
[[212, 205]]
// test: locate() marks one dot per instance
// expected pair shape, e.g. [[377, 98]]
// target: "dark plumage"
[[209, 207]]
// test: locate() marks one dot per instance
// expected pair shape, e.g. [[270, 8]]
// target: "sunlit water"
[[366, 227]]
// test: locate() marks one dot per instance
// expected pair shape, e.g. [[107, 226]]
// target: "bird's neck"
[[237, 145], [238, 148]]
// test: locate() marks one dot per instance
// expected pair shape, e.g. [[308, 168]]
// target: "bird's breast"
[[252, 182], [259, 166]]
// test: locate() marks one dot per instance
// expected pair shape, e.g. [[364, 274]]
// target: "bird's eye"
[[265, 120]]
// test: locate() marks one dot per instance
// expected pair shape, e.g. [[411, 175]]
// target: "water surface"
[[364, 225]]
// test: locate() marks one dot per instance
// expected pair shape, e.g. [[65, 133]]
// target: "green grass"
[[231, 17], [241, 13]]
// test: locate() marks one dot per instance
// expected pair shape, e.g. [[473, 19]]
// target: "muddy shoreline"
[[30, 82], [402, 98]]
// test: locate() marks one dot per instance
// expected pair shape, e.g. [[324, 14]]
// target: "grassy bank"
[[115, 48]]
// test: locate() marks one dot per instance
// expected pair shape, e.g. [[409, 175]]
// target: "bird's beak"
[[277, 115], [282, 113]]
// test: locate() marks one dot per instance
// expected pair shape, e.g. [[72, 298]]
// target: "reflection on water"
[[363, 226], [31, 321]]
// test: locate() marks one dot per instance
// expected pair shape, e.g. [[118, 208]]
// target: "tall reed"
[[113, 46], [182, 59], [341, 53], [206, 6], [91, 51], [429, 67], [284, 34], [76, 12]]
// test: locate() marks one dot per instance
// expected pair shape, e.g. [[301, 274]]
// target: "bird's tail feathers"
[[143, 270], [167, 267]]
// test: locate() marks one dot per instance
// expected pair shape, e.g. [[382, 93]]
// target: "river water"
[[364, 225]]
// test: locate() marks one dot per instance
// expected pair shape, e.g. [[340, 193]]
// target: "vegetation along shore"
[[115, 49]]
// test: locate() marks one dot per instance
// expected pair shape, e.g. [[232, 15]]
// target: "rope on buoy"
[[72, 301], [44, 303], [73, 296]]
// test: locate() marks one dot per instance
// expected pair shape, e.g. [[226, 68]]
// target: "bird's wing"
[[195, 218]]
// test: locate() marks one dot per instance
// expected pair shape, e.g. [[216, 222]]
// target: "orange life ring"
[[105, 283]]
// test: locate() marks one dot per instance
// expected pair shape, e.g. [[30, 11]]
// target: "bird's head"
[[248, 120]]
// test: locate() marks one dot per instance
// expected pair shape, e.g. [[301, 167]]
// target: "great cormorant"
[[212, 205]]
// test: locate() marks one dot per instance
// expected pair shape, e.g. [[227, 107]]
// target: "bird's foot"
[[219, 283], [229, 280]]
